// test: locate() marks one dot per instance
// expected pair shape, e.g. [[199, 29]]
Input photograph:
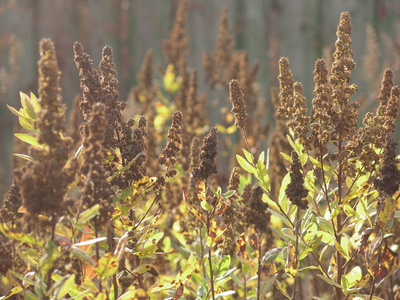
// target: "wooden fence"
[[267, 29]]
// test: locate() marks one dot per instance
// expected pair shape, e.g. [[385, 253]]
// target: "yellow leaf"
[[242, 252], [291, 261]]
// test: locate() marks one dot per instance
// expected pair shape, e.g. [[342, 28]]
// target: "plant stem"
[[97, 250], [209, 258], [296, 229], [259, 267], [111, 247], [339, 293], [373, 286]]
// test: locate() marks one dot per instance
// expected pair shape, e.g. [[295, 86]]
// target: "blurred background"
[[302, 30]]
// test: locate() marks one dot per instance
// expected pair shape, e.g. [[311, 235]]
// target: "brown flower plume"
[[342, 90], [95, 188], [389, 175], [255, 210], [90, 81], [286, 88], [175, 49], [236, 96], [44, 184], [208, 156], [174, 140], [295, 191], [300, 116], [322, 114]]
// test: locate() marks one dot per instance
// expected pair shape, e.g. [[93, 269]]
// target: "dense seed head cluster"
[[236, 96], [176, 48], [44, 184], [295, 191], [208, 156], [388, 180], [94, 187], [174, 140]]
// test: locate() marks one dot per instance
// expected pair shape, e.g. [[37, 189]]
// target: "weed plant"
[[118, 206]]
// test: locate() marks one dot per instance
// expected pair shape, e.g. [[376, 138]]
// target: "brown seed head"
[[236, 96], [208, 156], [295, 191]]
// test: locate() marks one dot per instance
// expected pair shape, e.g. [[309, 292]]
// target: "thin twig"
[[296, 229]]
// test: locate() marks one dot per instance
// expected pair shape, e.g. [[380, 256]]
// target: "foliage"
[[144, 217]]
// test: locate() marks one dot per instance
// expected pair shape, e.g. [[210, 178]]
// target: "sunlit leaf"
[[216, 231], [271, 255], [107, 266], [386, 213], [245, 164], [11, 292], [353, 277], [291, 261], [180, 278], [253, 242], [88, 214], [242, 252], [193, 210], [91, 241], [26, 157], [388, 262], [282, 289], [146, 268], [67, 283], [329, 281], [18, 235]]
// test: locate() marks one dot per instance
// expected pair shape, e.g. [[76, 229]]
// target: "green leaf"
[[228, 194], [285, 156], [13, 291], [329, 281], [205, 205], [183, 275], [261, 158], [271, 255], [144, 268], [31, 140], [280, 287], [223, 265], [27, 157], [249, 156], [107, 266], [66, 286], [27, 125], [310, 247], [51, 255], [88, 214], [223, 294], [325, 224], [14, 111], [18, 235], [30, 296], [354, 276], [35, 102], [282, 193], [245, 165], [120, 171], [27, 105]]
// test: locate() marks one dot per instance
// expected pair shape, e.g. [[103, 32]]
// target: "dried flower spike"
[[389, 177], [174, 140], [236, 96], [295, 191], [208, 156]]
